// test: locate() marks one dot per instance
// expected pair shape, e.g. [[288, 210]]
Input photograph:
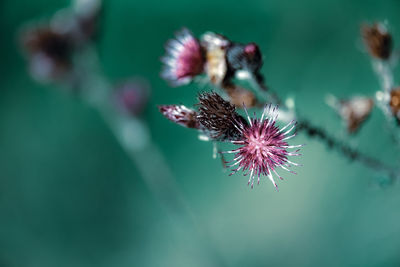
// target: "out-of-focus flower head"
[[395, 103], [378, 40], [184, 59], [239, 96], [263, 147], [215, 46], [244, 57], [215, 55], [80, 21], [353, 111], [50, 47], [181, 115], [49, 52], [218, 118], [87, 13], [87, 8], [132, 96]]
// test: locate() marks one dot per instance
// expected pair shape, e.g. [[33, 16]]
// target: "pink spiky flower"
[[264, 147], [184, 58]]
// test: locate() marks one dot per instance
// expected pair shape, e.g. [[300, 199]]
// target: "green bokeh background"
[[69, 195]]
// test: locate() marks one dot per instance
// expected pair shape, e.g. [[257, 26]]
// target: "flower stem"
[[133, 135], [351, 153], [318, 132]]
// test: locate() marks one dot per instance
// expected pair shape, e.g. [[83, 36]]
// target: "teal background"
[[69, 195]]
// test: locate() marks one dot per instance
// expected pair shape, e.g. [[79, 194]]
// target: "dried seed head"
[[45, 40], [354, 111], [378, 40], [219, 118], [395, 102], [180, 115], [49, 52]]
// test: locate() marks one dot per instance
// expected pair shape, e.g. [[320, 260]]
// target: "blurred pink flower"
[[184, 58], [132, 96]]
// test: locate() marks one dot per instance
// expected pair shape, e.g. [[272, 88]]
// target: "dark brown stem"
[[271, 96], [313, 131], [351, 153]]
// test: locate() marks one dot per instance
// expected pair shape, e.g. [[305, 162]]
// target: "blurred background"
[[70, 195]]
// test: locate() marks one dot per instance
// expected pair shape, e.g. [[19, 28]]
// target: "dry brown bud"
[[378, 40], [395, 102], [219, 118], [355, 111]]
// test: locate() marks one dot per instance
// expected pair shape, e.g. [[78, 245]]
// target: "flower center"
[[257, 144]]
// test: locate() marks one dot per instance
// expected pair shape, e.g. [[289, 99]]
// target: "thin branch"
[[351, 153], [314, 131], [134, 137]]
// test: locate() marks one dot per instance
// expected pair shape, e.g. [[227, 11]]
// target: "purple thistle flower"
[[184, 59], [264, 147], [180, 115]]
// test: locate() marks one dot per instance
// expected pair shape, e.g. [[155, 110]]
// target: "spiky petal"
[[184, 58], [180, 115], [264, 148]]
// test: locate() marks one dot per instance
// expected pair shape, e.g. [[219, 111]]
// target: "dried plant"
[[120, 105], [223, 61], [378, 40], [218, 117]]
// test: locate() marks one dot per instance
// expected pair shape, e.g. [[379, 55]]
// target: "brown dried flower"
[[48, 51], [45, 40], [354, 111], [378, 40], [219, 118], [395, 102]]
